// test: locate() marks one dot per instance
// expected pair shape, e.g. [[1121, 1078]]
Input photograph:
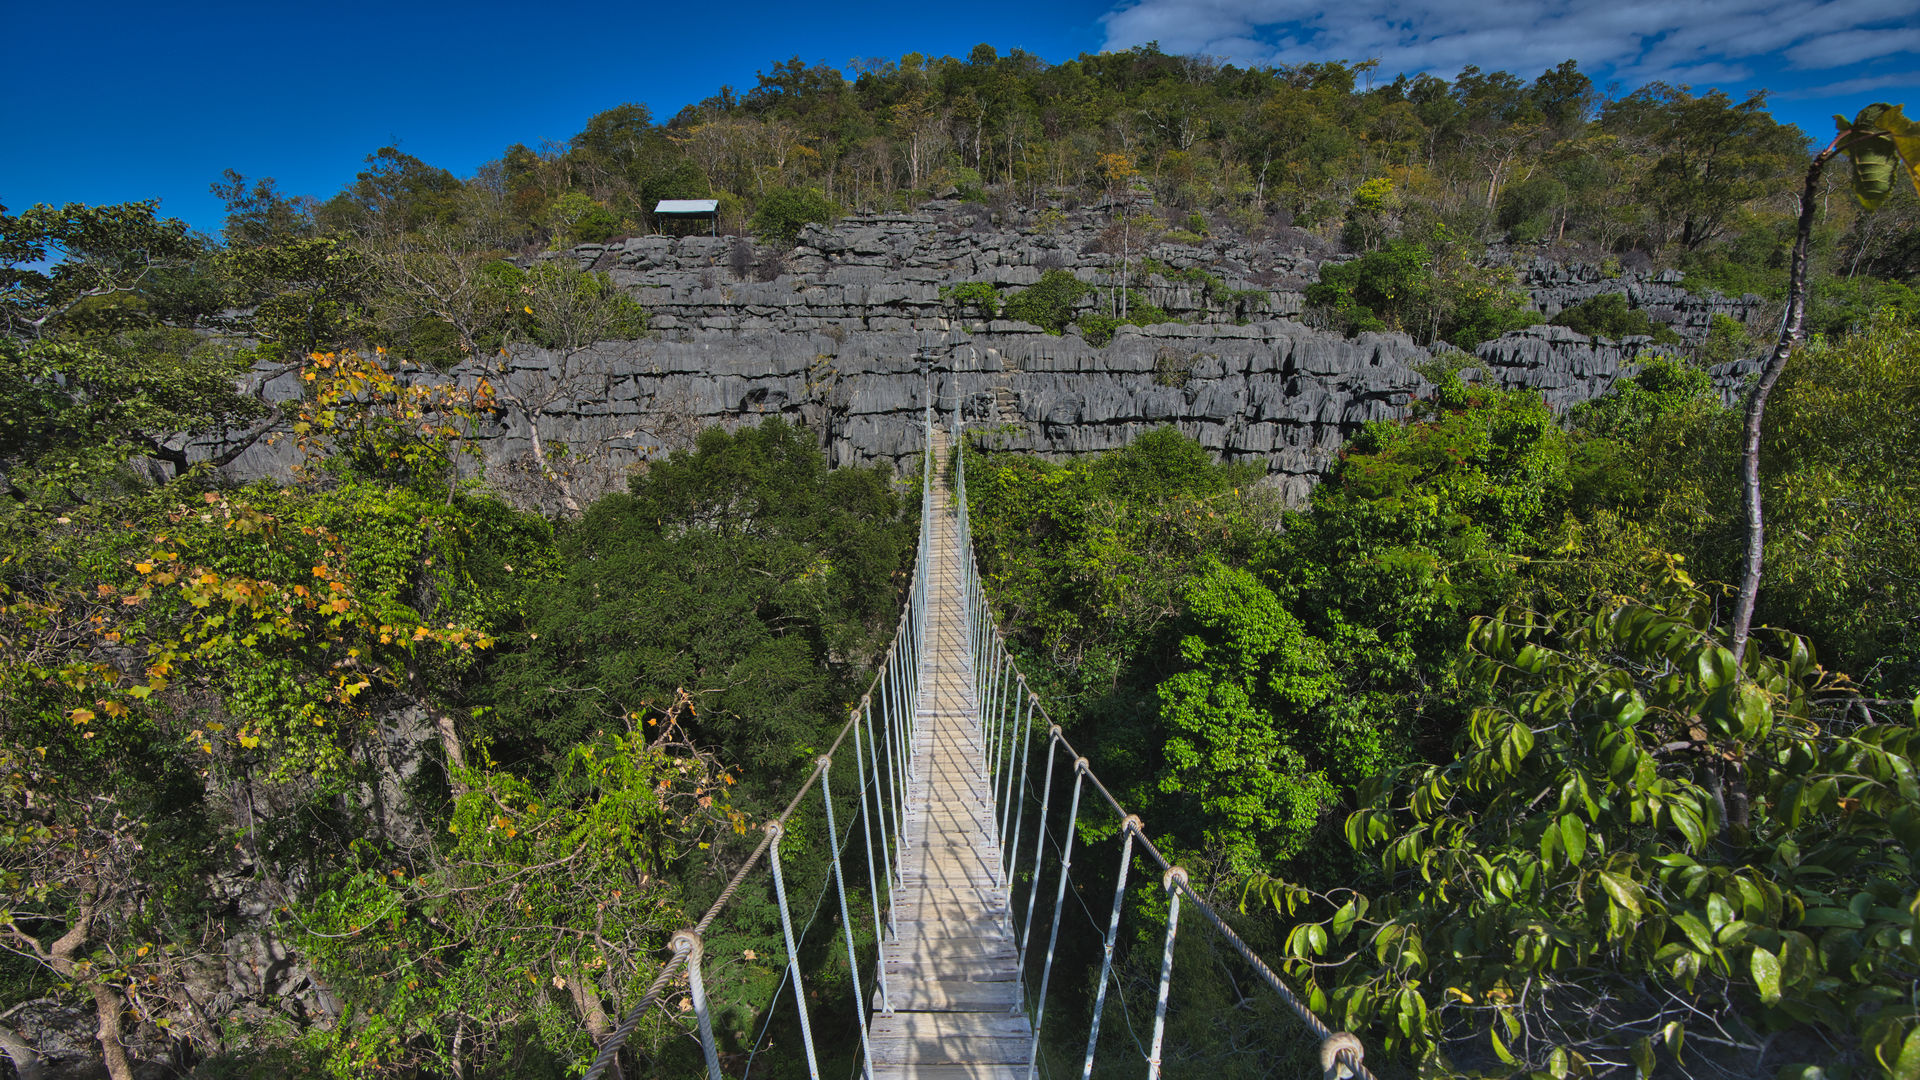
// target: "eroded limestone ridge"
[[849, 333]]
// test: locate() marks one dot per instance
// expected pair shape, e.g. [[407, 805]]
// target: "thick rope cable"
[[1339, 1048]]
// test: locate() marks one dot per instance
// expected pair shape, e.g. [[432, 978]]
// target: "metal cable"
[[846, 920]]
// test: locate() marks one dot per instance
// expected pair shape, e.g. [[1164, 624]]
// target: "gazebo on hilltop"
[[693, 210]]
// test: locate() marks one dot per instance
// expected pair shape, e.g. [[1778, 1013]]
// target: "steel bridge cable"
[[1341, 1052]]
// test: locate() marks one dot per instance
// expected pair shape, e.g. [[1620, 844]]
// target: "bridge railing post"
[[1059, 903], [846, 920], [687, 944], [1012, 840], [1172, 881], [1127, 829], [866, 825], [776, 830]]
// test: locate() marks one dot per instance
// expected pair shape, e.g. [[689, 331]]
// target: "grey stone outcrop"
[[853, 337]]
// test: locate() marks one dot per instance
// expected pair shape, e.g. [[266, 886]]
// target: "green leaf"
[[1879, 139], [1696, 931], [1907, 1065], [1686, 818], [1766, 974], [1343, 920], [1624, 892], [1557, 1063], [1832, 916], [1500, 1049], [1642, 1054], [1675, 1036]]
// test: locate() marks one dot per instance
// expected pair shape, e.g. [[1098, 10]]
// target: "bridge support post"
[[687, 943], [846, 920], [1059, 902], [1174, 880], [776, 831], [866, 825], [1039, 846], [1127, 830]]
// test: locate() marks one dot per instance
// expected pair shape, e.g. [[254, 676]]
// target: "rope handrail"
[[895, 683], [1341, 1052], [1009, 715]]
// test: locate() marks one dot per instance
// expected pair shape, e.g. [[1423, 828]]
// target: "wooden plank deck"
[[952, 968]]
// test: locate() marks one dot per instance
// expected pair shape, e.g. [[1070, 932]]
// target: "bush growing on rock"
[[1609, 316], [1048, 303], [785, 211]]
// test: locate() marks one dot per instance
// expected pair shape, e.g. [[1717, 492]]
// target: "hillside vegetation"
[[371, 773]]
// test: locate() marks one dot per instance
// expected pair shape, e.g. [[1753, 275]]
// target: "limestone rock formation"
[[853, 338]]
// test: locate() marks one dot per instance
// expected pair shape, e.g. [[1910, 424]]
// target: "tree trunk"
[[1791, 333], [26, 1060], [107, 1006], [540, 459], [443, 726]]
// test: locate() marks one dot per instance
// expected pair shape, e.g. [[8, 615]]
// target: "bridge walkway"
[[953, 969]]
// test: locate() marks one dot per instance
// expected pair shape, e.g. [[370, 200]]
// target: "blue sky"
[[156, 99]]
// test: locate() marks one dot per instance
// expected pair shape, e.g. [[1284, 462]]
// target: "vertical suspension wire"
[[1020, 796], [1172, 881], [1010, 779], [896, 759], [775, 830], [846, 920], [991, 751], [1059, 903], [687, 944], [989, 719], [1003, 677], [883, 766], [873, 882], [1010, 729], [882, 797], [1127, 830], [1039, 847]]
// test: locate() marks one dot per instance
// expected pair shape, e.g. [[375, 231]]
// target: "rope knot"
[[1337, 1047], [687, 943], [1175, 875], [774, 830], [1132, 823]]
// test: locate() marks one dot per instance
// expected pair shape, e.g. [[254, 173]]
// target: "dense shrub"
[[1609, 316], [1048, 303], [783, 212]]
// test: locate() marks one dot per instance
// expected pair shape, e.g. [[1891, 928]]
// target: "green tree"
[[1240, 746], [745, 571], [783, 212], [1049, 302], [1644, 852]]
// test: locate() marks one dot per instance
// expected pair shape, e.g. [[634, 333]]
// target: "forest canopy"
[[1461, 732]]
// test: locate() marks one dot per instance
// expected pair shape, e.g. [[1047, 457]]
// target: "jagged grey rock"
[[858, 341]]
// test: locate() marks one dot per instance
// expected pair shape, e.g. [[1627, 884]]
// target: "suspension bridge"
[[961, 775]]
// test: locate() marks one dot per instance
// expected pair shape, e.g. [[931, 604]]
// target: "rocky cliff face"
[[850, 335], [1555, 287]]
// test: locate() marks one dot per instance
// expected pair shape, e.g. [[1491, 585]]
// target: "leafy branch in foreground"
[[548, 903], [1645, 851]]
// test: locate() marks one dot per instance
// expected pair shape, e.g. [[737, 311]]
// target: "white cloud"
[[1850, 87], [1853, 46], [1637, 40]]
